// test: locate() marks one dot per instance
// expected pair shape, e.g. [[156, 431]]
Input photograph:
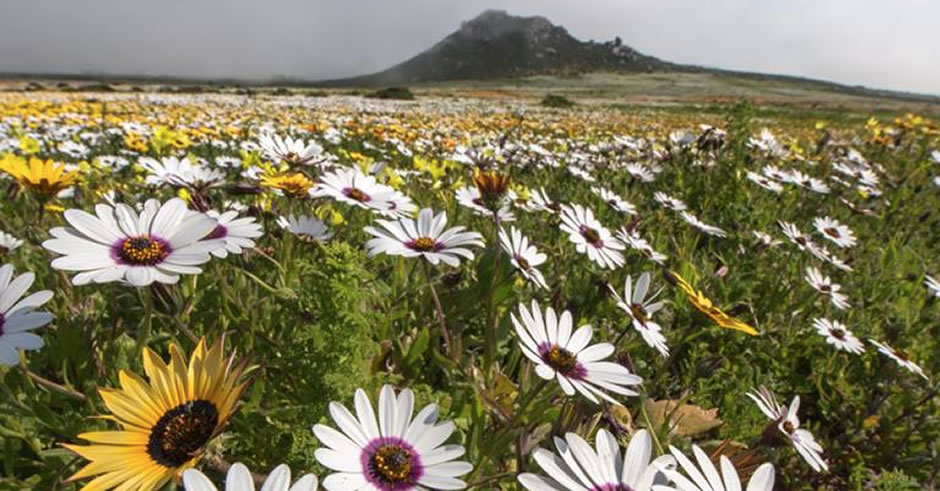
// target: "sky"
[[876, 43]]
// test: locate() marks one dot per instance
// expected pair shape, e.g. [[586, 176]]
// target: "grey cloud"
[[869, 42]]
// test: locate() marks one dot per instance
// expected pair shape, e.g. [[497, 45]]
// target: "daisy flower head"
[[547, 340], [523, 255], [824, 285], [764, 182], [424, 237], [637, 243], [396, 452], [839, 234], [179, 172], [539, 201], [8, 242], [158, 244], [614, 200], [705, 476], [288, 150], [166, 422], [705, 306], [353, 187], [641, 172], [640, 309], [45, 178], [307, 229], [789, 425], [18, 317], [669, 202], [294, 185], [933, 286], [838, 335], [899, 356], [802, 241], [766, 240], [239, 478], [702, 226], [470, 197], [590, 237], [492, 186], [236, 232], [577, 466]]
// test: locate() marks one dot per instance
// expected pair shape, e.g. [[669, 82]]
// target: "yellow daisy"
[[704, 304], [295, 184], [165, 423], [46, 178]]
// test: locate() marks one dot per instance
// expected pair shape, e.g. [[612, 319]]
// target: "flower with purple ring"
[[548, 341], [118, 243], [423, 237], [394, 452]]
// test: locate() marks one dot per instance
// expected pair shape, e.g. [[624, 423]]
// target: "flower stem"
[[61, 389], [445, 334], [146, 325]]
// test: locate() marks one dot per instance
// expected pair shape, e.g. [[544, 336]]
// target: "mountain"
[[498, 45]]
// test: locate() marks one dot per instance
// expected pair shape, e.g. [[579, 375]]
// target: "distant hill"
[[498, 45]]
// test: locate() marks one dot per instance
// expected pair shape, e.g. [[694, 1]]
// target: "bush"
[[396, 93], [558, 101]]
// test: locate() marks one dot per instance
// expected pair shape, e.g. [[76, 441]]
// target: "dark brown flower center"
[[391, 464], [837, 333], [182, 432], [423, 244], [143, 250], [592, 236], [832, 232], [521, 261], [561, 360], [356, 194], [639, 313]]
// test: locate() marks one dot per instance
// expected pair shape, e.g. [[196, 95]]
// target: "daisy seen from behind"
[[394, 452], [307, 229], [901, 357], [548, 341]]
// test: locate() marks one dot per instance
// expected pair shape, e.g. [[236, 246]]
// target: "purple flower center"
[[142, 250], [612, 487], [219, 232], [3, 321], [562, 361], [356, 194], [391, 464]]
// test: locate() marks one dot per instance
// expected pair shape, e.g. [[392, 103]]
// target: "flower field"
[[219, 291]]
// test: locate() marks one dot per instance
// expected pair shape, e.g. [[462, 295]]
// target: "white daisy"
[[423, 237], [8, 242], [839, 234], [900, 357], [539, 201], [669, 202], [798, 238], [764, 182], [640, 172], [558, 353], [705, 476], [395, 452], [239, 478], [590, 237], [524, 256], [236, 232], [789, 425], [933, 286], [640, 310], [824, 285], [578, 467], [179, 172], [633, 239], [158, 244], [17, 317], [307, 229], [838, 335], [289, 150], [702, 226], [614, 200], [469, 197], [352, 187], [766, 240]]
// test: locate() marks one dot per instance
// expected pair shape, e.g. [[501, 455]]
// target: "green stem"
[[146, 325], [445, 334]]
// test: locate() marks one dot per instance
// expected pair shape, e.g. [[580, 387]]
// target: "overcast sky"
[[877, 43]]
